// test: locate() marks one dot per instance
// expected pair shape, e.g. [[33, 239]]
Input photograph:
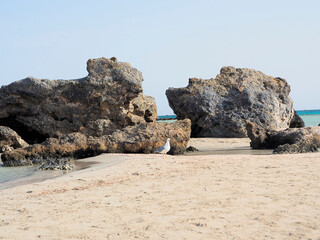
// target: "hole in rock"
[[195, 130], [29, 135]]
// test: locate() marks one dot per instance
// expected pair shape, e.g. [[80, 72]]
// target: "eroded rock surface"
[[290, 140], [142, 138], [109, 98], [219, 107], [192, 149], [10, 140], [57, 164]]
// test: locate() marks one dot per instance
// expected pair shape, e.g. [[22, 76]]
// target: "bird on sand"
[[164, 149]]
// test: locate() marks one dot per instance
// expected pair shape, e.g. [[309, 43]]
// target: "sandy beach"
[[182, 197]]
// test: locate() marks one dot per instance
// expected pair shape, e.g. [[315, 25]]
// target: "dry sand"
[[182, 197]]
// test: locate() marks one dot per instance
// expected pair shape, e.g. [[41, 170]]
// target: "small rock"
[[199, 224], [10, 140], [296, 121], [114, 59], [57, 164], [192, 149], [290, 140], [6, 148]]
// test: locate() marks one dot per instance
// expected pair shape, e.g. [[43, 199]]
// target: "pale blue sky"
[[168, 40]]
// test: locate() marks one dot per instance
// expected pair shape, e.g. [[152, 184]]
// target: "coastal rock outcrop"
[[109, 98], [290, 140], [219, 107], [142, 138], [10, 140]]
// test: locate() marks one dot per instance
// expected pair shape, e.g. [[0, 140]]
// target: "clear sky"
[[168, 40]]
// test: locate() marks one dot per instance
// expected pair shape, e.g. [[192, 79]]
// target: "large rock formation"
[[219, 107], [102, 113], [290, 140], [109, 98], [142, 138]]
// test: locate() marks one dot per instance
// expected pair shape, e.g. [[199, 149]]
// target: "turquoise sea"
[[10, 173], [310, 117]]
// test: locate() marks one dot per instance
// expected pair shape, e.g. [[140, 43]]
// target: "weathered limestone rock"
[[219, 107], [291, 140], [192, 149], [306, 144], [109, 98], [142, 138], [57, 164], [5, 148], [296, 121], [9, 140]]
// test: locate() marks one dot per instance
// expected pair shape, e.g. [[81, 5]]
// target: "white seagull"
[[164, 149]]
